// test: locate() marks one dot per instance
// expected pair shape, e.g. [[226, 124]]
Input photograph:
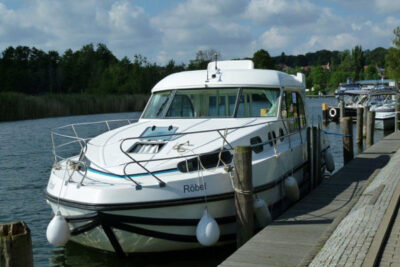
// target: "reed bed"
[[15, 106]]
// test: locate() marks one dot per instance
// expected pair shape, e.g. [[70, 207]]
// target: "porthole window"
[[256, 140]]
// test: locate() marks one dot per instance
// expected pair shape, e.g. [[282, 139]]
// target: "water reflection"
[[77, 255]]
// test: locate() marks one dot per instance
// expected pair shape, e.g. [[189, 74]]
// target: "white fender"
[[262, 213], [292, 191], [207, 231], [330, 163], [58, 232], [332, 112]]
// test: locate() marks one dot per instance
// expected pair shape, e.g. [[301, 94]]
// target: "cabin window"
[[158, 105], [201, 103], [258, 103], [292, 111]]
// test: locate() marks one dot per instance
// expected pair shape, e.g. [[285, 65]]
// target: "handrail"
[[81, 140]]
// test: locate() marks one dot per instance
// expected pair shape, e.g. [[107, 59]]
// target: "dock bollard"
[[325, 108], [397, 118], [370, 129], [15, 245], [365, 116], [243, 183], [346, 125], [360, 125]]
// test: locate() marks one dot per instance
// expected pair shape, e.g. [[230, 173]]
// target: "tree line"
[[96, 70]]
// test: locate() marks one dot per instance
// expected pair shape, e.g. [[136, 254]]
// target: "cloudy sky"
[[176, 29]]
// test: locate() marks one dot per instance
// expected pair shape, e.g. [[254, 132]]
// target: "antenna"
[[216, 59]]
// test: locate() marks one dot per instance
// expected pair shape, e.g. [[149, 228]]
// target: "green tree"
[[203, 57], [358, 62], [262, 60], [393, 57]]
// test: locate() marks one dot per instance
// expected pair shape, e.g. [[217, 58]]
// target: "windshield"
[[213, 103]]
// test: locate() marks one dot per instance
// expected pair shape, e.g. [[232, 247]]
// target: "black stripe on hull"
[[165, 203]]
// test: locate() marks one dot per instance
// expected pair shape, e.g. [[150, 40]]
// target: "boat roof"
[[228, 74], [382, 91]]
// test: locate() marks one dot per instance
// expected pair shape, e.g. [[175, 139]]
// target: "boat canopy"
[[230, 74]]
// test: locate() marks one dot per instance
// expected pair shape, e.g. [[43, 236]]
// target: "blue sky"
[[162, 30]]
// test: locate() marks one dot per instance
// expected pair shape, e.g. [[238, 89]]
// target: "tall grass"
[[15, 106]]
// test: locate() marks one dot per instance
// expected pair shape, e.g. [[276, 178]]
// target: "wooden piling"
[[341, 107], [360, 124], [15, 245], [243, 194], [310, 157], [370, 129], [397, 118], [346, 125], [365, 115], [318, 157], [325, 108]]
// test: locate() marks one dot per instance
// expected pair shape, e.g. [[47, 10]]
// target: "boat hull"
[[384, 124], [163, 227]]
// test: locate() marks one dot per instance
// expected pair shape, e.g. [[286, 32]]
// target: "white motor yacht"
[[144, 186]]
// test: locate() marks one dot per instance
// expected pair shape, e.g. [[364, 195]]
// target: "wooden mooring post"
[[325, 108], [243, 194], [341, 107], [397, 118], [360, 125], [346, 125], [310, 157], [370, 129], [15, 245], [365, 115]]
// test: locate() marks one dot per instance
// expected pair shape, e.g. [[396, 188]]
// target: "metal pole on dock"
[[365, 115], [360, 118], [346, 125], [341, 106], [15, 245], [370, 128], [243, 194], [397, 118]]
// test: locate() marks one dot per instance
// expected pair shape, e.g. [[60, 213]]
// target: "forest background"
[[35, 83]]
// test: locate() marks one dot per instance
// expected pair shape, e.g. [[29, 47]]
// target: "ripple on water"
[[25, 164]]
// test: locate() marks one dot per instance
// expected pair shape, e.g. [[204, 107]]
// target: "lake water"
[[25, 163]]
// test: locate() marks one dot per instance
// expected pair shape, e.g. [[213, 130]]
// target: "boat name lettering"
[[190, 188]]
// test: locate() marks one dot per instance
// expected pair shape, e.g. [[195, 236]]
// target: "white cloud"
[[282, 12], [204, 24], [337, 42], [388, 6], [234, 28], [274, 39]]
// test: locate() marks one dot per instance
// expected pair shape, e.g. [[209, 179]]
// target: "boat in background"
[[148, 186], [380, 97]]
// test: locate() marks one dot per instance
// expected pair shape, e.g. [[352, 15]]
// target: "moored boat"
[[144, 187]]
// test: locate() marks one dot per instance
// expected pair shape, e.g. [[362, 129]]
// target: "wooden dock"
[[295, 238]]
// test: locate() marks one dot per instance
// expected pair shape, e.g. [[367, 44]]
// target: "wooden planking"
[[292, 237]]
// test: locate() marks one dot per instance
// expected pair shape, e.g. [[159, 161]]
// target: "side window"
[[302, 114], [290, 111], [181, 107], [258, 102]]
